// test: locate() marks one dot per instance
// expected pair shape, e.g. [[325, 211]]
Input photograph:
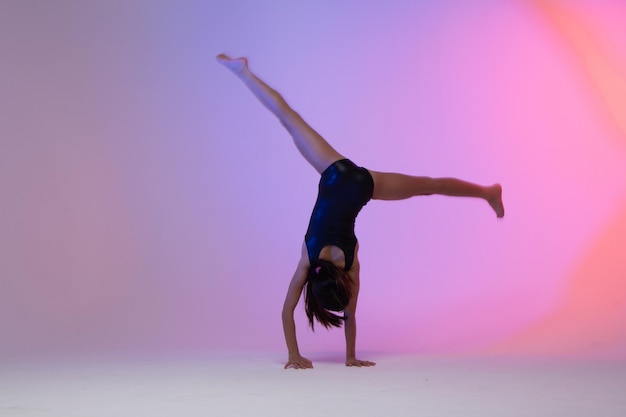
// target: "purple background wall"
[[150, 204]]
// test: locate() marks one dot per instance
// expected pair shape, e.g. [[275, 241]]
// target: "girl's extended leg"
[[310, 144], [389, 186]]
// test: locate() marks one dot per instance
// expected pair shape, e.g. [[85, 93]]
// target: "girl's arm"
[[350, 323], [296, 285]]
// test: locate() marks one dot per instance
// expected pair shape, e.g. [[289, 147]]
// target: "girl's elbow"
[[349, 315]]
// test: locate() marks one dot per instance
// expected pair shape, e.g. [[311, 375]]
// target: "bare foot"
[[495, 199], [237, 65]]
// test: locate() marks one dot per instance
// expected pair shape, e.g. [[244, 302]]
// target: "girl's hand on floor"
[[359, 363], [298, 362]]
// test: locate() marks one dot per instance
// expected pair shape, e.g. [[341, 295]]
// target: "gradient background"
[[149, 204]]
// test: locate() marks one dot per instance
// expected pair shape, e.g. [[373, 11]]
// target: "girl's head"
[[328, 288]]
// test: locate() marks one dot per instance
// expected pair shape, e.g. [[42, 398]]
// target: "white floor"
[[256, 385]]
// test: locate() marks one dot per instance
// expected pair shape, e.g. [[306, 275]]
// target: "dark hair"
[[328, 288]]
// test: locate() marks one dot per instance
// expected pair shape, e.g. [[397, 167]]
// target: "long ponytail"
[[328, 288]]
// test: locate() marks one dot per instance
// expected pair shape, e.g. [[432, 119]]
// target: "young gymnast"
[[328, 270]]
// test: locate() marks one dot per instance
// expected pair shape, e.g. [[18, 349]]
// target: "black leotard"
[[344, 189]]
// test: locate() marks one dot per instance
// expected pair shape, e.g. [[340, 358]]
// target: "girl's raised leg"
[[388, 186], [311, 145]]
